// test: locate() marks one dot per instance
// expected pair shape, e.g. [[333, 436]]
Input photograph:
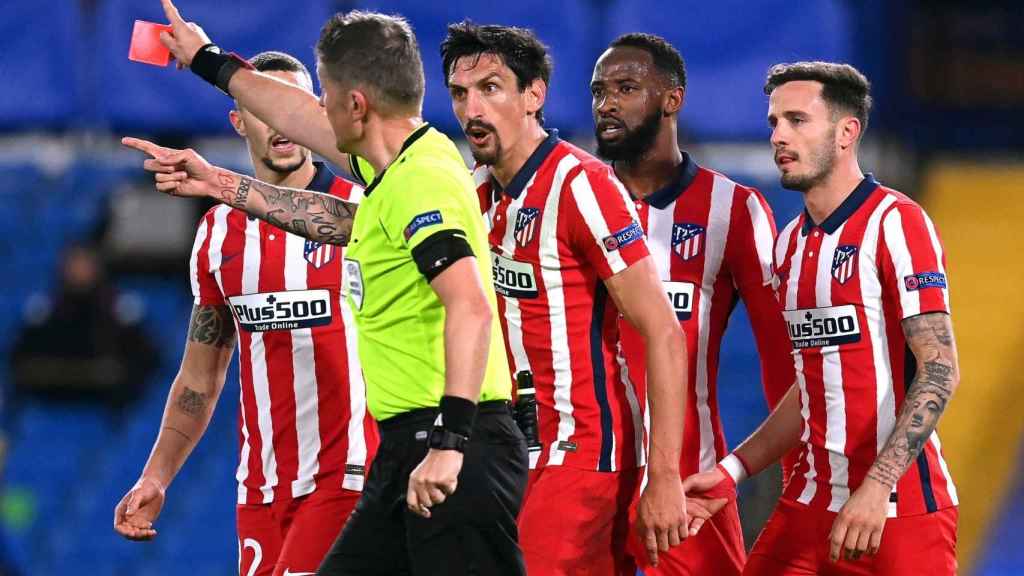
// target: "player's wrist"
[[734, 466], [217, 67]]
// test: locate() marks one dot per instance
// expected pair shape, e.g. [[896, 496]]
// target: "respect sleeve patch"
[[431, 218], [623, 237], [924, 280]]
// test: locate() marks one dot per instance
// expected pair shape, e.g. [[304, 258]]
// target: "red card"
[[146, 46]]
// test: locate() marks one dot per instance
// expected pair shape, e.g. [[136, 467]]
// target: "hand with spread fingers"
[[433, 480], [184, 172], [138, 509], [185, 39]]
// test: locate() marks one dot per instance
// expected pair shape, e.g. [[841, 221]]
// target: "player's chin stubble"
[[286, 166]]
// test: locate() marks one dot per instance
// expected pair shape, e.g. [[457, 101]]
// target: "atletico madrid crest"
[[844, 265], [687, 240], [526, 225], [317, 253]]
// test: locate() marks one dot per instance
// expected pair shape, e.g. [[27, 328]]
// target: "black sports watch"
[[443, 439]]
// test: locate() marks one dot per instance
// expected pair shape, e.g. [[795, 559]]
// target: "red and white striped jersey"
[[562, 226], [712, 242], [846, 285], [302, 419]]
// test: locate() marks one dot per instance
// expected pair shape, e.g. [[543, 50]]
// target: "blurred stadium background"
[[948, 128]]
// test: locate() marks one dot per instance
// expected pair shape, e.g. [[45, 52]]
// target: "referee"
[[446, 486]]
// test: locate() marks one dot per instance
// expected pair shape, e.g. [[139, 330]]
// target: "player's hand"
[[661, 520], [185, 39], [184, 172], [434, 480], [706, 494], [138, 509], [858, 527]]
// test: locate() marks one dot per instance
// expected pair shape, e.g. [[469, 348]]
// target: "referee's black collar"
[[416, 135], [519, 181], [685, 174], [841, 214], [322, 180]]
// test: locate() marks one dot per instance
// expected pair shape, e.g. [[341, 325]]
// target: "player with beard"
[[861, 277], [306, 436], [711, 240], [568, 256]]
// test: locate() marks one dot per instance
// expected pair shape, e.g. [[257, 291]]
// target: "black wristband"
[[457, 415], [216, 67]]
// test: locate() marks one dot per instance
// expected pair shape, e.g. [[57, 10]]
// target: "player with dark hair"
[[449, 476], [862, 280], [711, 240], [306, 438], [568, 256]]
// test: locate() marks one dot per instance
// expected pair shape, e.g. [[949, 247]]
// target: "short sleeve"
[[433, 202], [912, 254], [606, 228], [205, 290]]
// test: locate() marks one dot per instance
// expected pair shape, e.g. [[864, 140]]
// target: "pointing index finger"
[[172, 13], [145, 146]]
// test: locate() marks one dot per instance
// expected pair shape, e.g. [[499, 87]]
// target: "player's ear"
[[536, 94], [848, 131], [237, 123], [358, 104], [673, 100]]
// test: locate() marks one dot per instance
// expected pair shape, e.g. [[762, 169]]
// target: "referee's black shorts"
[[473, 532]]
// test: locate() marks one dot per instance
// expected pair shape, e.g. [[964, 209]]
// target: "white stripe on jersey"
[[937, 247], [586, 201], [356, 394], [950, 487], [715, 240], [258, 358], [832, 373], [762, 237], [307, 412], [792, 286], [220, 231], [659, 238], [550, 269], [634, 408], [910, 300], [871, 292], [193, 261]]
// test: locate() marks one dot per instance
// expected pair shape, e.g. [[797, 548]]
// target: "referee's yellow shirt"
[[399, 318]]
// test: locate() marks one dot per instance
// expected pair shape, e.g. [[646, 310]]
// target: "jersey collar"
[[845, 210], [416, 135], [322, 178], [518, 182], [685, 175]]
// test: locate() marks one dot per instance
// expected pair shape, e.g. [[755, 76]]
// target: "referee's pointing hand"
[[433, 481], [180, 172]]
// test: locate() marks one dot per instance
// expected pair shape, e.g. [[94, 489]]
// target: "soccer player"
[[711, 240], [447, 483], [306, 438], [861, 276], [568, 256]]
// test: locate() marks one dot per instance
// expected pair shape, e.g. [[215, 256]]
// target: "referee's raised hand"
[[185, 39], [433, 481]]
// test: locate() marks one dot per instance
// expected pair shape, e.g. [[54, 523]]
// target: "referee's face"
[[493, 112]]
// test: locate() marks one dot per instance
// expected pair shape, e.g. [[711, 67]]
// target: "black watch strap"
[[442, 439]]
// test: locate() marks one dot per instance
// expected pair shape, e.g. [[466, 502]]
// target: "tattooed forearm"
[[192, 403], [930, 338], [312, 215], [212, 325]]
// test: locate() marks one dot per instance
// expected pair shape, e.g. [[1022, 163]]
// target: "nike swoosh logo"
[[287, 572], [225, 260]]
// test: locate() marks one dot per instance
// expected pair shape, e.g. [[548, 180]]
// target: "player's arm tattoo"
[[930, 338], [313, 215], [212, 325]]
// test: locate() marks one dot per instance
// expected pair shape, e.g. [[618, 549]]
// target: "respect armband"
[[216, 67]]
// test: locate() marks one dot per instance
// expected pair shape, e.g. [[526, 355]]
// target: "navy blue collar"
[[841, 214], [685, 175], [323, 179], [518, 182]]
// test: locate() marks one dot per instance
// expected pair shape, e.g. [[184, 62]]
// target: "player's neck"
[[512, 160], [823, 199], [298, 178], [384, 142], [652, 170]]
